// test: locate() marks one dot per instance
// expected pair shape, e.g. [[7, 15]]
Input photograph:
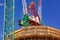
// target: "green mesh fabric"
[[25, 20]]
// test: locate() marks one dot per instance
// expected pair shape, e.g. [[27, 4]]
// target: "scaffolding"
[[8, 19]]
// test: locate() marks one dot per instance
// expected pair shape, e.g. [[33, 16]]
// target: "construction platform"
[[36, 33]]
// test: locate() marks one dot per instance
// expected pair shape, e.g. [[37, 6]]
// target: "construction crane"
[[35, 18], [8, 19]]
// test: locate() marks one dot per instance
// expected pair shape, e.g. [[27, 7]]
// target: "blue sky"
[[50, 14]]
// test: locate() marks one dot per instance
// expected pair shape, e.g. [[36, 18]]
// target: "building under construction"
[[32, 27], [37, 33]]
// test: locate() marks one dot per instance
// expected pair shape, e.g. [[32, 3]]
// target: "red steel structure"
[[34, 12]]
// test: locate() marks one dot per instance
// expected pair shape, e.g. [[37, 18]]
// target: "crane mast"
[[8, 19]]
